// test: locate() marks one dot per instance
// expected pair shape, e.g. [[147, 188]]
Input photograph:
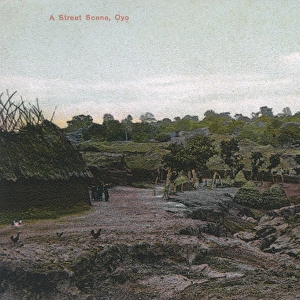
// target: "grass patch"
[[42, 213], [119, 147], [136, 155], [141, 185]]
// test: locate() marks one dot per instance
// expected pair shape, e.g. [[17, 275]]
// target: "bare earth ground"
[[140, 254]]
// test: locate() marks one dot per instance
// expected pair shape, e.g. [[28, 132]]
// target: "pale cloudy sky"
[[172, 58]]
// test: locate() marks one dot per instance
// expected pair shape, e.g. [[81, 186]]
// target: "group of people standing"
[[97, 188], [97, 191]]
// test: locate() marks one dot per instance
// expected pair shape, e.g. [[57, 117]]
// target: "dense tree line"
[[194, 151], [262, 128]]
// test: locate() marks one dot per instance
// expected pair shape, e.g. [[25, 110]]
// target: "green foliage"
[[175, 158], [240, 179], [198, 151], [193, 155], [108, 117], [40, 214], [251, 132], [221, 123], [227, 181], [289, 133], [270, 132], [257, 160], [143, 132], [297, 159], [114, 131], [109, 131], [274, 198], [230, 155], [180, 179], [148, 117], [248, 195], [79, 121], [94, 132], [274, 161], [263, 130], [162, 137], [180, 125]]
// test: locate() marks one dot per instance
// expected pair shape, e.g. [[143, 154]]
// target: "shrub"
[[248, 195], [239, 179], [274, 198]]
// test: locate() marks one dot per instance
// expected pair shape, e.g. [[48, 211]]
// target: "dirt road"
[[140, 254]]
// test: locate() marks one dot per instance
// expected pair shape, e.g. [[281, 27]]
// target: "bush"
[[163, 137], [227, 181], [248, 195], [239, 179], [274, 198]]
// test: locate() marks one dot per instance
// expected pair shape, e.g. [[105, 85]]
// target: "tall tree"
[[193, 155], [175, 158], [230, 155], [274, 161], [143, 132], [108, 117], [79, 121], [148, 117], [114, 130], [257, 160], [127, 124], [198, 150]]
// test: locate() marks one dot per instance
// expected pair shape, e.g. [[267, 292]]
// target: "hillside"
[[127, 162]]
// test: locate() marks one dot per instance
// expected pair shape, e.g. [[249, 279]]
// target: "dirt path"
[[131, 215], [140, 254]]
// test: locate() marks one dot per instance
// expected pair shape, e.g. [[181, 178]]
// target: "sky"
[[171, 58]]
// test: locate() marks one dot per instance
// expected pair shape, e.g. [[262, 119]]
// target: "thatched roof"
[[39, 152]]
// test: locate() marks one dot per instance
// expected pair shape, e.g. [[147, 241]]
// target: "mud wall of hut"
[[34, 193]]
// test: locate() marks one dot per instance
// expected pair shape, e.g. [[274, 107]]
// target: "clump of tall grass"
[[15, 116]]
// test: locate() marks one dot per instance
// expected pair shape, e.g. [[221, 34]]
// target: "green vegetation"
[[79, 121], [136, 155], [240, 179], [274, 198], [262, 128], [230, 154], [248, 195], [194, 154], [257, 160], [41, 214]]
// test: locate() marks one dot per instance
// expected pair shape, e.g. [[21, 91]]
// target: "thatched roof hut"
[[40, 168]]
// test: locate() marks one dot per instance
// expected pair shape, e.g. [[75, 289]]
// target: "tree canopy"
[[194, 154]]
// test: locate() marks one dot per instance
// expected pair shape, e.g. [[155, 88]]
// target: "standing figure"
[[106, 194], [100, 191], [90, 195], [94, 193]]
